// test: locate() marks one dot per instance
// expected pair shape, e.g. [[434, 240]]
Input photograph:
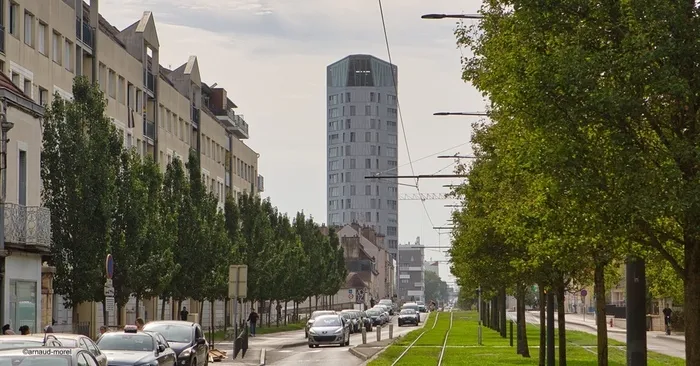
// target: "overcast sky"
[[271, 56]]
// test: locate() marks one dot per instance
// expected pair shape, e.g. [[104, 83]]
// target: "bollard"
[[364, 334], [511, 333], [391, 331], [379, 333]]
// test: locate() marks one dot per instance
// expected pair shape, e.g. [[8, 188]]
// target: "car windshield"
[[327, 321], [385, 302], [408, 311], [126, 342], [12, 344], [68, 342], [172, 332], [347, 315], [316, 314], [35, 361], [372, 312], [413, 307]]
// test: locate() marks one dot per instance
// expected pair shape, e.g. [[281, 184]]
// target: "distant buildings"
[[432, 266], [362, 140], [411, 277]]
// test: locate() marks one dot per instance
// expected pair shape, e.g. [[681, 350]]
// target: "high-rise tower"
[[362, 141]]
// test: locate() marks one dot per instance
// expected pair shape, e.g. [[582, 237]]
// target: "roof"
[[6, 83], [170, 322]]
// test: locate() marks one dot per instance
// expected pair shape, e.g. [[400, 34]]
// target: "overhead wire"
[[423, 158], [398, 108]]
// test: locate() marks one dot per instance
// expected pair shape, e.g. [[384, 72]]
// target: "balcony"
[[234, 123], [194, 116], [149, 81], [261, 183], [27, 227], [149, 129], [87, 36]]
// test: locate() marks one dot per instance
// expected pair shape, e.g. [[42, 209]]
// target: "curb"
[[614, 330], [358, 354], [663, 336], [262, 357], [294, 344]]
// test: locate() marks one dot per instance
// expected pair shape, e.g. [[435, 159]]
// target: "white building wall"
[[22, 267]]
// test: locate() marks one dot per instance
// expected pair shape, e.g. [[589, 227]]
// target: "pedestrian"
[[667, 319], [103, 329], [139, 324], [253, 319], [24, 330], [371, 302], [48, 329], [184, 313], [6, 328]]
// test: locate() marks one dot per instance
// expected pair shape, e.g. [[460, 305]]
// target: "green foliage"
[[435, 288]]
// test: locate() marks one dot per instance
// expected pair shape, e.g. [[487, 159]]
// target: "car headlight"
[[311, 331], [338, 330], [185, 353]]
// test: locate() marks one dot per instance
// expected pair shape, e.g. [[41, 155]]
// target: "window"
[[14, 18], [391, 99], [67, 56], [352, 137], [368, 163], [41, 38], [334, 165], [333, 178], [391, 152], [23, 304], [348, 124], [372, 123], [373, 203], [368, 216], [373, 150], [368, 136], [333, 126], [391, 111], [22, 173], [368, 190], [333, 99], [333, 152], [120, 90], [391, 124], [15, 78], [28, 28], [379, 97], [368, 110], [352, 110], [348, 150], [43, 96], [392, 204], [371, 96], [333, 191], [28, 87], [333, 113], [391, 230], [112, 84], [391, 163], [352, 190], [378, 218], [347, 97], [130, 98], [333, 138], [56, 47], [352, 163], [333, 218], [392, 139]]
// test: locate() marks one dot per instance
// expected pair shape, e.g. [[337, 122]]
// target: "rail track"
[[444, 343]]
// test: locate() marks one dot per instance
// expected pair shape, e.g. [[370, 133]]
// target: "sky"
[[271, 57]]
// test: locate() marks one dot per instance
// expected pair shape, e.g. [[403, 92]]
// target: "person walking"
[[184, 313], [667, 319], [139, 324], [253, 319], [103, 329]]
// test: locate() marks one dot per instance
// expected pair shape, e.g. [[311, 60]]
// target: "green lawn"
[[463, 350], [220, 336]]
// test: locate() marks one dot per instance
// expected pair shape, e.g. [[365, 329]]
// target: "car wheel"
[[311, 346]]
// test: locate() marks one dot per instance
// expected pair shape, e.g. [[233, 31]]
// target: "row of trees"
[[164, 230], [590, 159]]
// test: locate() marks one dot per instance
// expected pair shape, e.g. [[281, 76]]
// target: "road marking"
[[447, 334]]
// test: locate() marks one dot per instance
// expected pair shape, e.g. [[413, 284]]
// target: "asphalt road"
[[332, 355]]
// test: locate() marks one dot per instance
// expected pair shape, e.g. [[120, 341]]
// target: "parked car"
[[409, 316], [389, 304], [132, 347], [375, 316], [59, 356], [411, 305], [81, 341], [366, 320], [29, 341], [421, 307], [329, 329], [185, 338], [313, 317], [353, 317]]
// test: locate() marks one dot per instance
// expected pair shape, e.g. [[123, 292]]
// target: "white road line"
[[437, 314], [447, 335]]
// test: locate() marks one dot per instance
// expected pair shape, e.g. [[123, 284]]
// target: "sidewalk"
[[257, 346]]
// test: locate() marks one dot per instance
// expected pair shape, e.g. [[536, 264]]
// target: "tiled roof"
[[6, 83]]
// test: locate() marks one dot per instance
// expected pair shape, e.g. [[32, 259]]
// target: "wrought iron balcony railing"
[[27, 225]]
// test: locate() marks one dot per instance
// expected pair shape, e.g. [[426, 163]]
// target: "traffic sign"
[[584, 293], [109, 266], [237, 281], [109, 304]]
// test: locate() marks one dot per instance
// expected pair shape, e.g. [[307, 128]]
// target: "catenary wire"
[[398, 107]]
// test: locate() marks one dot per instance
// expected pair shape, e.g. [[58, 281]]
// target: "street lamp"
[[476, 114], [452, 16]]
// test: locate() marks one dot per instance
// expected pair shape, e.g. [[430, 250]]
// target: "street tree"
[[435, 288], [80, 163]]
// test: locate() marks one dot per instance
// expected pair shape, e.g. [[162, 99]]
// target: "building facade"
[[161, 113], [411, 272], [26, 226], [362, 141]]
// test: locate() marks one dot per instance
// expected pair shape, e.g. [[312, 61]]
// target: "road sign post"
[[237, 287], [109, 288], [583, 299]]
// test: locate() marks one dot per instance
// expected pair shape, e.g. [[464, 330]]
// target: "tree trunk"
[[523, 348], [269, 314], [212, 310], [691, 305], [163, 301], [316, 302], [138, 307], [177, 311], [543, 327], [285, 313], [119, 314], [502, 313], [551, 351], [561, 320], [600, 316], [105, 316]]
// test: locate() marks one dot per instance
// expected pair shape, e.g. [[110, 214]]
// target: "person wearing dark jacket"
[[253, 319]]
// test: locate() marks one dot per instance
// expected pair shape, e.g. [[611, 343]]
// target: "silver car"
[[329, 329], [313, 317]]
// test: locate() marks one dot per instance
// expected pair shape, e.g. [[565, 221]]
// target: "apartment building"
[[161, 113], [411, 272], [26, 226]]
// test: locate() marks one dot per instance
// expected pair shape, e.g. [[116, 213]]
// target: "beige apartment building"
[[161, 113]]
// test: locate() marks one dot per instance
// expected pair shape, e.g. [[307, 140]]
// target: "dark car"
[[375, 316], [81, 341], [409, 316], [27, 341], [53, 356], [353, 317], [131, 347], [185, 338]]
